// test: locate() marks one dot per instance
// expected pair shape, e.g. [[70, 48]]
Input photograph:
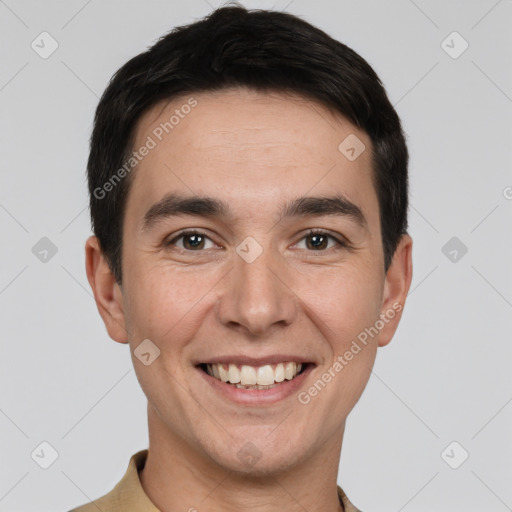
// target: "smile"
[[254, 377]]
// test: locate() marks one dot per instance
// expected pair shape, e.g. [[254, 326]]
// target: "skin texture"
[[254, 151]]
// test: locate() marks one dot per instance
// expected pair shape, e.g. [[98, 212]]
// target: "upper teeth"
[[251, 375]]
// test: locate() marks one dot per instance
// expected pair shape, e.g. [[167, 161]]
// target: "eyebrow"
[[173, 205]]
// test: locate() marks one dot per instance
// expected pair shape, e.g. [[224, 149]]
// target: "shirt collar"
[[129, 494]]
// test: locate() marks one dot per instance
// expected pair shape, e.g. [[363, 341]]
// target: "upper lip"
[[255, 361]]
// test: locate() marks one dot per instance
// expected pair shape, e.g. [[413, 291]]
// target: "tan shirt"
[[128, 494]]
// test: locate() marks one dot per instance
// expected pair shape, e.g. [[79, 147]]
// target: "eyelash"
[[314, 231]]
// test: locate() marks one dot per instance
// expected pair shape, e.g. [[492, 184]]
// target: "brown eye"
[[194, 241], [319, 241], [191, 241]]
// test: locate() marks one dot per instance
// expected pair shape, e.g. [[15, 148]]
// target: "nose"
[[257, 296]]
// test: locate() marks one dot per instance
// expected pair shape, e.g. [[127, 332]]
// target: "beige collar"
[[128, 494]]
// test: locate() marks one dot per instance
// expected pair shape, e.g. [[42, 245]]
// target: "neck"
[[176, 476]]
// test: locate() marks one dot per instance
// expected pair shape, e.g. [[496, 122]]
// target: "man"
[[248, 182]]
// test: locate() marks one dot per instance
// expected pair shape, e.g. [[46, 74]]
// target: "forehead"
[[249, 147]]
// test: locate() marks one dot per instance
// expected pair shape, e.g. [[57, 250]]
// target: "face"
[[250, 284]]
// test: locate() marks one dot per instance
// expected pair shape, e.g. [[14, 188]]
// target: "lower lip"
[[254, 397]]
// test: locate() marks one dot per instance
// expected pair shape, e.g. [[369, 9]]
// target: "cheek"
[[345, 300], [164, 301]]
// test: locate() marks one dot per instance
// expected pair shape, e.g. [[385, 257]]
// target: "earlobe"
[[396, 287], [107, 293]]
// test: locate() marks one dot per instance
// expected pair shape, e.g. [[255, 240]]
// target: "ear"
[[396, 287], [107, 293]]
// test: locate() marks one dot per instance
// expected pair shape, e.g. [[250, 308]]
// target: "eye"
[[196, 241], [319, 240], [192, 240]]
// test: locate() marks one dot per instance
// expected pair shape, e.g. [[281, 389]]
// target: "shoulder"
[[347, 505], [105, 504], [128, 493]]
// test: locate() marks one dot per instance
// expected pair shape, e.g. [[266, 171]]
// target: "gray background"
[[445, 377]]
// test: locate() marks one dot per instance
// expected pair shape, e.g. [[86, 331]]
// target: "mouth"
[[249, 377]]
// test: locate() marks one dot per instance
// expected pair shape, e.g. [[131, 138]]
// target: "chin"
[[262, 457]]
